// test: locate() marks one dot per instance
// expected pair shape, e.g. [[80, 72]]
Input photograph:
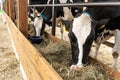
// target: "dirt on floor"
[[9, 65]]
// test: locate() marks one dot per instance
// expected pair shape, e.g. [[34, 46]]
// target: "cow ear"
[[67, 24]]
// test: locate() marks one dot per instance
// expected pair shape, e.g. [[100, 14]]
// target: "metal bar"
[[87, 4], [79, 4], [54, 18]]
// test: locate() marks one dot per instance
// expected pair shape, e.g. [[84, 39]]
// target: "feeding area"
[[49, 58], [59, 55]]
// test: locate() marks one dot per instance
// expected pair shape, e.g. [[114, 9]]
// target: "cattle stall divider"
[[82, 4], [33, 63]]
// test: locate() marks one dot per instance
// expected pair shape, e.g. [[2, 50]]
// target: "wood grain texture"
[[33, 63], [11, 10], [22, 8]]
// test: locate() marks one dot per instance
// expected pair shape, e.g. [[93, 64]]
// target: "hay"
[[9, 66], [58, 55]]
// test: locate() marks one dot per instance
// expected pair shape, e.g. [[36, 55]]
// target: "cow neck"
[[88, 14], [43, 16]]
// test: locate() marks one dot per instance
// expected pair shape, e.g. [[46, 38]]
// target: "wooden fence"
[[34, 66]]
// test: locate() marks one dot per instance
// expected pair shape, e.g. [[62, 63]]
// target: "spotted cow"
[[85, 29]]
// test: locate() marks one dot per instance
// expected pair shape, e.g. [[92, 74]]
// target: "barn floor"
[[104, 53], [9, 66]]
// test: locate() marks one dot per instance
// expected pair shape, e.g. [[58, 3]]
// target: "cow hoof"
[[75, 67]]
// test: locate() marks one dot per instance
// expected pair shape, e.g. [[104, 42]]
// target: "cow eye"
[[76, 10]]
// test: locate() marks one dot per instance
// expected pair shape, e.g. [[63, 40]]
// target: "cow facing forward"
[[82, 32]]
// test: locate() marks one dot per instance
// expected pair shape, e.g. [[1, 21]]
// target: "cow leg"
[[43, 28], [116, 49], [115, 58], [97, 46], [61, 25]]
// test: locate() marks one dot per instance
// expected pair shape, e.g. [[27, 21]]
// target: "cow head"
[[44, 18], [61, 12], [81, 36], [33, 11]]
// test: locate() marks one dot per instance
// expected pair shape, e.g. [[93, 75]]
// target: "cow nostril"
[[75, 67]]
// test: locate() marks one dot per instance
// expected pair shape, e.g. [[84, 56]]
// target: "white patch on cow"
[[38, 25], [116, 48], [86, 0], [35, 13], [71, 1], [81, 29], [99, 39], [67, 12], [84, 8], [48, 1], [32, 15], [63, 1]]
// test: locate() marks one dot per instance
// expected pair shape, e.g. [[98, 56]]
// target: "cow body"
[[83, 32], [109, 28]]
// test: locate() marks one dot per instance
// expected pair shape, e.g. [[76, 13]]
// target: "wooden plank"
[[110, 44], [34, 65], [6, 7], [22, 8], [11, 10]]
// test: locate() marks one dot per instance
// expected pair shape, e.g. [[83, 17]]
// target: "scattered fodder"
[[9, 66], [58, 55]]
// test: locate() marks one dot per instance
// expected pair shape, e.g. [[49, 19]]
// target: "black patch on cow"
[[105, 12], [34, 2], [74, 47], [111, 24], [43, 28], [68, 1], [88, 43], [68, 24], [98, 29], [76, 10], [77, 15], [47, 12], [106, 34]]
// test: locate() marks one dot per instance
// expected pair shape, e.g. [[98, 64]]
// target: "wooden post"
[[22, 8], [6, 7], [11, 10]]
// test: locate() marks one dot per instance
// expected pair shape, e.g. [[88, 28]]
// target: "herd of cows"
[[84, 25]]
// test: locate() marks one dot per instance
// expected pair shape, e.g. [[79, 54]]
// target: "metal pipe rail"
[[83, 4], [109, 4]]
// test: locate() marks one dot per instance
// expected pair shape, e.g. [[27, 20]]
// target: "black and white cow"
[[82, 32], [33, 11], [45, 16], [104, 30]]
